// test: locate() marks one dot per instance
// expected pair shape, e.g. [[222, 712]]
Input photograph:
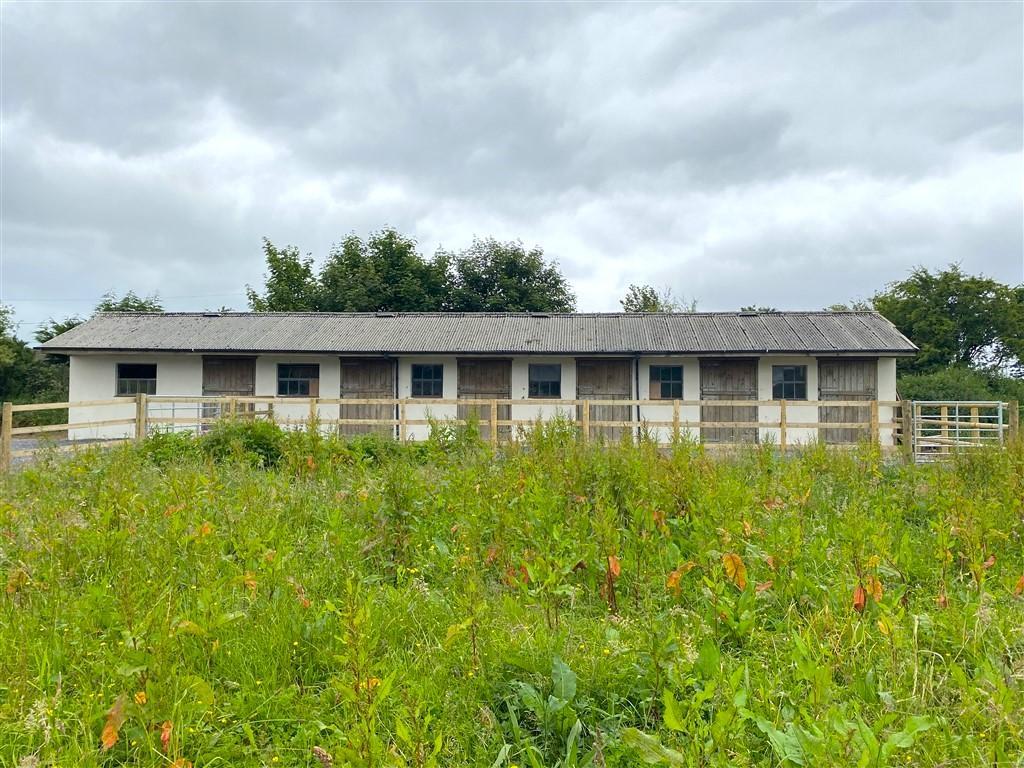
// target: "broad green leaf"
[[673, 716], [651, 750], [564, 680]]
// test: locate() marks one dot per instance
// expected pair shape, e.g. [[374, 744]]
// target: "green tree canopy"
[[289, 283], [957, 320], [387, 273], [130, 302], [495, 276], [647, 298]]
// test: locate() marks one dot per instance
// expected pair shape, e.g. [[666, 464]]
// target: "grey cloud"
[[152, 146]]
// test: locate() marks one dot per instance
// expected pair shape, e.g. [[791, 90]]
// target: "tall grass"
[[550, 604]]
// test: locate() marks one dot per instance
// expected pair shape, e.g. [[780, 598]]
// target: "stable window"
[[666, 382], [136, 379], [428, 381], [545, 380], [789, 382], [298, 380]]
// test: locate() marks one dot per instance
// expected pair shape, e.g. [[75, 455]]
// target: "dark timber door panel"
[[228, 377], [846, 380], [605, 380], [485, 380], [367, 378], [728, 380]]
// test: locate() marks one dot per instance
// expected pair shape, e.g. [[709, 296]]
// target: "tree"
[[130, 302], [289, 286], [856, 305], [647, 298], [495, 276], [764, 310], [53, 328], [957, 320], [384, 274], [24, 375]]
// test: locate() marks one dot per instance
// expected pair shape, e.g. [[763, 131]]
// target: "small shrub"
[[164, 446], [259, 441]]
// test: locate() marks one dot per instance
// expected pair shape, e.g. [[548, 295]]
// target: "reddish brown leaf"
[[165, 735], [860, 598], [115, 718], [614, 568], [763, 586], [771, 562], [942, 601], [989, 563], [1019, 589], [735, 569]]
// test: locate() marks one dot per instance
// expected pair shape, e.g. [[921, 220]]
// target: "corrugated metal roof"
[[487, 333]]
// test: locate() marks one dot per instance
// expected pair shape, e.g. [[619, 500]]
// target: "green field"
[[550, 604]]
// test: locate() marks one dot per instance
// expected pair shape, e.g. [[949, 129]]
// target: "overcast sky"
[[793, 155]]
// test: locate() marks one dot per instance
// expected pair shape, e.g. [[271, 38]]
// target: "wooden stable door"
[[228, 377], [728, 380], [841, 379], [485, 380], [367, 378], [605, 380]]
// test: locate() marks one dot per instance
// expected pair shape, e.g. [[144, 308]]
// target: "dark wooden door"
[[228, 377], [485, 380], [846, 380], [728, 380], [367, 378], [605, 380]]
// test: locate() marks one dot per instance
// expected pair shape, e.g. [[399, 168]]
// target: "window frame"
[[661, 382], [430, 386], [312, 382], [135, 381], [781, 385], [544, 388]]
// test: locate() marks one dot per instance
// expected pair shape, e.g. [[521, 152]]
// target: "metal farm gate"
[[939, 428]]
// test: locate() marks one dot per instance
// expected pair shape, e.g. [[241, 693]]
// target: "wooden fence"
[[922, 431]]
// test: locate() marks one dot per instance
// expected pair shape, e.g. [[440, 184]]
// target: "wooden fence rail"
[[922, 430]]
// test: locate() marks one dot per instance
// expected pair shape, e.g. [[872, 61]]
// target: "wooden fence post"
[[907, 414], [141, 413], [232, 407], [876, 437], [782, 425], [1014, 419], [5, 437], [402, 425], [975, 432], [314, 413], [944, 429], [494, 423], [675, 421], [586, 420]]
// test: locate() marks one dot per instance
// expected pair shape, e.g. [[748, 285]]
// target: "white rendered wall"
[[422, 412], [886, 391], [295, 414], [663, 411], [531, 411], [795, 412], [94, 377]]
